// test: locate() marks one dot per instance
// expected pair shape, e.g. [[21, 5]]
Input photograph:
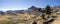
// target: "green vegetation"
[[7, 22], [48, 9]]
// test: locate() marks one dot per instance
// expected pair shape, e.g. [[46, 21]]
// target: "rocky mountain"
[[31, 10]]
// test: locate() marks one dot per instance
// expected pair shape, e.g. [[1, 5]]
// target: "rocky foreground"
[[30, 18]]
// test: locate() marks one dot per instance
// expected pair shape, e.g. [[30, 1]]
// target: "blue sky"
[[25, 4]]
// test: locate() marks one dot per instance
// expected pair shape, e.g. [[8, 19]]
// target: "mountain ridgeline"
[[31, 9], [33, 15]]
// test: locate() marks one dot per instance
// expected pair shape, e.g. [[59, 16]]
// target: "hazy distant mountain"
[[1, 12], [9, 12], [15, 11], [18, 11], [56, 6]]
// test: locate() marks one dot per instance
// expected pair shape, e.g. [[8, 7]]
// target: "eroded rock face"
[[50, 20], [57, 21]]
